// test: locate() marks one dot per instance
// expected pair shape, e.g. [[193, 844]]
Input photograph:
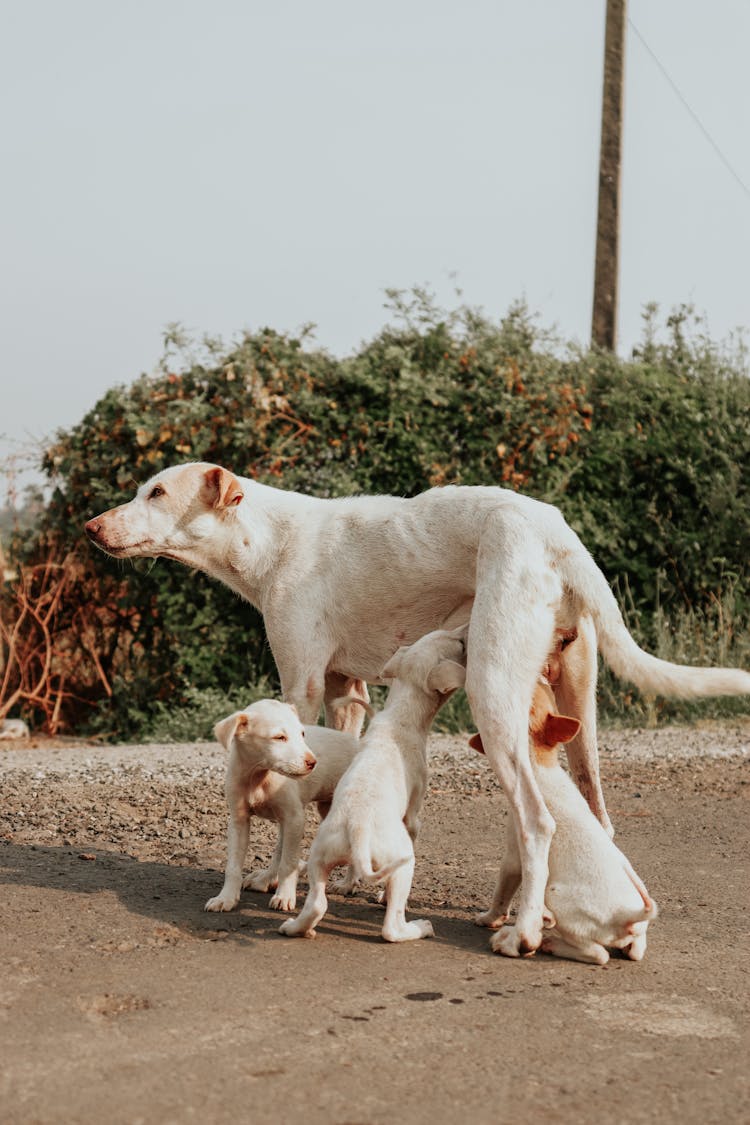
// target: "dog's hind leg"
[[510, 636], [575, 694], [395, 926]]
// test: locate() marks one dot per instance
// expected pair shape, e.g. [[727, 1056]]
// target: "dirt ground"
[[122, 1001]]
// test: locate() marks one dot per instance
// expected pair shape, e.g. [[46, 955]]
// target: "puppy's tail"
[[360, 855], [585, 581], [650, 909], [345, 700]]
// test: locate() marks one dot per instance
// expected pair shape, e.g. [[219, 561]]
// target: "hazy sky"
[[234, 164]]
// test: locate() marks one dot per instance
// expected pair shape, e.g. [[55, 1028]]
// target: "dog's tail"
[[360, 857], [583, 578]]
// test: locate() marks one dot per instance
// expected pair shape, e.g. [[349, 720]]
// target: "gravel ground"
[[121, 1000]]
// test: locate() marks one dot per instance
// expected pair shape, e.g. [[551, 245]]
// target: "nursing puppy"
[[373, 820], [594, 899], [276, 767]]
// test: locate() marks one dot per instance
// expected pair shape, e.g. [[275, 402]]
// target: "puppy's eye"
[[280, 738], [157, 490]]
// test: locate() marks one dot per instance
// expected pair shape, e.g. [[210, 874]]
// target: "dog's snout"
[[92, 528], [310, 762]]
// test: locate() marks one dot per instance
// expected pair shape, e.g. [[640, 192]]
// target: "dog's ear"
[[559, 728], [223, 488], [226, 729], [292, 707], [476, 743], [446, 676]]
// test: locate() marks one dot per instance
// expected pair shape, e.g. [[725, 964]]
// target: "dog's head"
[[172, 513], [548, 729], [267, 735], [436, 663]]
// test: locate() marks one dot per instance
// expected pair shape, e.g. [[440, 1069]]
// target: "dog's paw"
[[259, 881], [510, 942], [222, 902], [490, 920]]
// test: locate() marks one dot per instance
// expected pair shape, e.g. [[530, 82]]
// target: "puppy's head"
[[547, 728], [436, 663], [267, 735]]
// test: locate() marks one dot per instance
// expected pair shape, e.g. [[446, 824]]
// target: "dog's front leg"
[[508, 882], [292, 829], [237, 837], [301, 656]]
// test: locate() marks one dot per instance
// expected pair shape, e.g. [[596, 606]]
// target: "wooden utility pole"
[[604, 316]]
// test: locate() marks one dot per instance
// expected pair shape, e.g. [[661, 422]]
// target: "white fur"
[[374, 816], [342, 583], [594, 900], [269, 749]]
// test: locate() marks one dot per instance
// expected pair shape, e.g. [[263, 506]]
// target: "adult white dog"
[[343, 583]]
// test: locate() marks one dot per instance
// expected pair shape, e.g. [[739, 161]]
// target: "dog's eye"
[[157, 490], [280, 738]]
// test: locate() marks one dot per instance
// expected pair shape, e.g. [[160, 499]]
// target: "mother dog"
[[343, 583]]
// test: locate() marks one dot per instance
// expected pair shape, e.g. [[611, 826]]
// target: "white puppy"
[[269, 748], [595, 899], [373, 820]]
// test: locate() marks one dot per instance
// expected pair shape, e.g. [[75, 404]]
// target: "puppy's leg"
[[237, 836], [589, 951], [351, 717], [395, 926], [267, 877], [292, 829], [508, 882], [575, 694], [316, 902]]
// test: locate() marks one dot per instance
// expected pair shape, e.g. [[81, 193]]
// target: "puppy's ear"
[[292, 707], [559, 728], [390, 672], [476, 743], [446, 676], [225, 729], [222, 488]]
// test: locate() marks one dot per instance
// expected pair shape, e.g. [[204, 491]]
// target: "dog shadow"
[[173, 896]]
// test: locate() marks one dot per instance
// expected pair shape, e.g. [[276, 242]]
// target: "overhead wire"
[[724, 159]]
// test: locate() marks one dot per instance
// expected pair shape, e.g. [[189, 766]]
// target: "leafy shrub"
[[648, 459]]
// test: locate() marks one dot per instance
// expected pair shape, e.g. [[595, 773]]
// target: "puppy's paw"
[[346, 884], [259, 881], [283, 900], [510, 942], [291, 928], [222, 902], [490, 920]]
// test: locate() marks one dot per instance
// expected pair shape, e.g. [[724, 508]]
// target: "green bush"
[[648, 459]]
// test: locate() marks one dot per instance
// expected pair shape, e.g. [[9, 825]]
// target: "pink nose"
[[92, 529], [310, 762]]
